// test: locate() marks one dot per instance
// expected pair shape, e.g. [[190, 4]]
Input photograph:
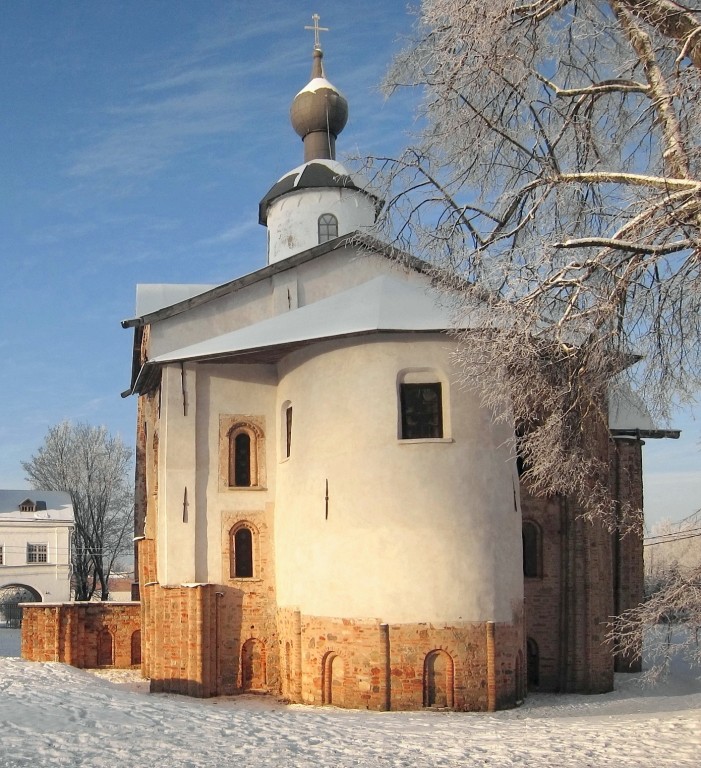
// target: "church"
[[322, 511]]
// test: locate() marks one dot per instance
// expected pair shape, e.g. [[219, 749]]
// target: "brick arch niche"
[[439, 679], [253, 676], [333, 679], [105, 648]]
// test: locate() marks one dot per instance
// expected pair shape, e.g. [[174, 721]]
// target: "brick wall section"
[[626, 478], [70, 633], [569, 604], [370, 665], [588, 574]]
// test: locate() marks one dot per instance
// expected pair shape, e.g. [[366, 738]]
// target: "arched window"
[[328, 227], [532, 560], [242, 552], [244, 458], [286, 430]]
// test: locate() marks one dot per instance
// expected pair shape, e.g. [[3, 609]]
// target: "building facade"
[[35, 543], [322, 511]]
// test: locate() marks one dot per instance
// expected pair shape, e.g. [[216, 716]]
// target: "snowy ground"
[[54, 715]]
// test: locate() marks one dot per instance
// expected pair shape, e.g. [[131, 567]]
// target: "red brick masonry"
[[85, 635]]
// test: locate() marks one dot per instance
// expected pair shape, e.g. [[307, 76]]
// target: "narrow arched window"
[[532, 664], [245, 464], [243, 554], [531, 550], [242, 460], [328, 227]]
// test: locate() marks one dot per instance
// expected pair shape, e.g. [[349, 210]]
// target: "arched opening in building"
[[11, 595], [253, 665], [532, 664], [532, 548], [288, 668], [332, 680], [242, 561], [105, 649], [519, 677], [438, 680]]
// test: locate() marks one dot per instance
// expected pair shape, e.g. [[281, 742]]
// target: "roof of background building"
[[50, 505]]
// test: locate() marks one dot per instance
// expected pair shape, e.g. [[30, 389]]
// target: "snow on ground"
[[55, 715]]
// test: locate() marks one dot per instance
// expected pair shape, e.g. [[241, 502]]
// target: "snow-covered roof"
[[628, 415], [311, 175], [383, 304], [48, 505], [319, 84]]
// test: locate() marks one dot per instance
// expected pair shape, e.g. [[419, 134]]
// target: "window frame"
[[34, 553], [252, 554], [231, 427], [330, 224], [407, 392]]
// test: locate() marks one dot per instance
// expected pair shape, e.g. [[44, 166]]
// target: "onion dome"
[[318, 114]]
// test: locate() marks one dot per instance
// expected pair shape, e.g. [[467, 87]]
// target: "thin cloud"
[[231, 235]]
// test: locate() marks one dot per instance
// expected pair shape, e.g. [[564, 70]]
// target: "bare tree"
[[555, 187], [93, 467], [670, 616]]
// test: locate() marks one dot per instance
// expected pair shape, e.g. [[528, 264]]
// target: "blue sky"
[[137, 138]]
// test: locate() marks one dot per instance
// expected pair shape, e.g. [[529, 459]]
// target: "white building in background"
[[35, 542]]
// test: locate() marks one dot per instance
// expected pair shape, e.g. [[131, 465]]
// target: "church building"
[[322, 511]]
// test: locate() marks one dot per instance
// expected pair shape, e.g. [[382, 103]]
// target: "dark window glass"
[[288, 431], [242, 459], [532, 663], [243, 554], [422, 411], [531, 550], [328, 227]]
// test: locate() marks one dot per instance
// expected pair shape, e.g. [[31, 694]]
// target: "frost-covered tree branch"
[[555, 189]]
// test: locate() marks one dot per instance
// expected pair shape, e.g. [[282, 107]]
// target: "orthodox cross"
[[317, 29]]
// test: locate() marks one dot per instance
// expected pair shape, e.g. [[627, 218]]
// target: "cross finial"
[[317, 29]]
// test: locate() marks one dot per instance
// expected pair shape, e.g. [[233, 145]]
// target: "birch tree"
[[554, 185], [93, 467]]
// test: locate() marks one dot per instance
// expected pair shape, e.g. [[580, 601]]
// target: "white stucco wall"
[[416, 531], [293, 218], [50, 579]]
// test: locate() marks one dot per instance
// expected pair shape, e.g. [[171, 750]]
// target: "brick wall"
[[370, 665], [85, 635], [588, 574], [626, 480]]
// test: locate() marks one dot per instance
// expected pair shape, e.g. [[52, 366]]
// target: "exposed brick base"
[[206, 639]]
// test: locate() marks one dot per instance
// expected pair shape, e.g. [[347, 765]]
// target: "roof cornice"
[[356, 238]]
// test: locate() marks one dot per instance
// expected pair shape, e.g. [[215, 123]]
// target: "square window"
[[37, 553], [422, 411]]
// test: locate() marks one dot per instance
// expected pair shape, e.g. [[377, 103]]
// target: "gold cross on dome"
[[317, 29]]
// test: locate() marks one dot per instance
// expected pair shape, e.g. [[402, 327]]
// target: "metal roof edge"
[[651, 434]]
